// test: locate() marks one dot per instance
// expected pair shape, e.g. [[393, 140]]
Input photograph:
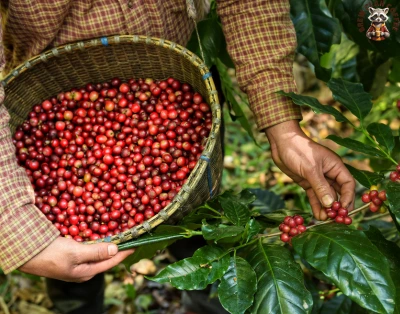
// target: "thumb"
[[322, 189], [97, 252]]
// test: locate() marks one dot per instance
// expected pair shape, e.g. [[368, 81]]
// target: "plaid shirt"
[[260, 39]]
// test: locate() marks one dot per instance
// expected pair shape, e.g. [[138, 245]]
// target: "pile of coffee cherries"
[[108, 156], [339, 214], [291, 227]]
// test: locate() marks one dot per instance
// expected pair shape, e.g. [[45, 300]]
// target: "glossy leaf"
[[235, 211], [316, 106], [316, 31], [218, 232], [266, 201], [280, 280], [253, 227], [352, 96], [338, 305], [365, 178], [383, 135], [352, 262], [218, 259], [356, 146], [392, 252], [393, 196], [237, 287], [162, 233], [188, 274], [245, 197]]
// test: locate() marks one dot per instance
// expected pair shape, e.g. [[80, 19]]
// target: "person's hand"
[[67, 260], [318, 170]]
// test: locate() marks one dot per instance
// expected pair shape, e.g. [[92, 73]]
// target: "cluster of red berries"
[[398, 105], [339, 214], [291, 227], [106, 157], [395, 175], [375, 198]]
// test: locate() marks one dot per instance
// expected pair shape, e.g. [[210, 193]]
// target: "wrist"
[[283, 132]]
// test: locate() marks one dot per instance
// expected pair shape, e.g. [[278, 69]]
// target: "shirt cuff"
[[23, 235], [271, 108]]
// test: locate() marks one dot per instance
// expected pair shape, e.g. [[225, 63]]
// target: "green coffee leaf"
[[365, 178], [161, 234], [218, 259], [235, 211], [237, 287], [316, 106], [392, 252], [393, 196], [338, 305], [217, 232], [316, 31], [352, 96], [280, 287], [383, 135], [253, 227], [266, 201], [245, 197], [356, 146], [188, 274], [348, 258]]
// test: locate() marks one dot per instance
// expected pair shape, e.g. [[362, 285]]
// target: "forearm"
[[261, 41], [24, 230]]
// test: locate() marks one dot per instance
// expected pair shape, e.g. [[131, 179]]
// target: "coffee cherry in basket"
[[291, 226], [104, 158]]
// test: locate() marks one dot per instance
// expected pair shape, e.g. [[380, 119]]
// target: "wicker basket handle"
[[192, 13]]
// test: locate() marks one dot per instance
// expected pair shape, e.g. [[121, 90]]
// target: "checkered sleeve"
[[261, 41], [24, 230]]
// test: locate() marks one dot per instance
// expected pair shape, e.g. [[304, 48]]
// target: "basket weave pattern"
[[99, 60]]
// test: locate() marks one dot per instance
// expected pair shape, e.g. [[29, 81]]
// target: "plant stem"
[[375, 217], [270, 235], [324, 293], [352, 213], [378, 146]]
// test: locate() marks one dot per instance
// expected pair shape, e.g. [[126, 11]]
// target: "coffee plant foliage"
[[254, 273], [331, 267]]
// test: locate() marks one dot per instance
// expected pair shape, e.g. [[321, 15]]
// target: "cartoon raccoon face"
[[378, 15]]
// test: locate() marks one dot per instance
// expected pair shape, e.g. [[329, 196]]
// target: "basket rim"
[[213, 101]]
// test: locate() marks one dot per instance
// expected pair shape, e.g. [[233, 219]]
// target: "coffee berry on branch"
[[294, 225], [104, 158]]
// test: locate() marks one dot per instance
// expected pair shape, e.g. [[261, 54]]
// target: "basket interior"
[[94, 64], [75, 65]]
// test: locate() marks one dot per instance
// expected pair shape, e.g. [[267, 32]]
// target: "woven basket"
[[99, 60]]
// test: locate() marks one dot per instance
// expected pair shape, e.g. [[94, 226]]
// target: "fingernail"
[[112, 250], [327, 200]]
